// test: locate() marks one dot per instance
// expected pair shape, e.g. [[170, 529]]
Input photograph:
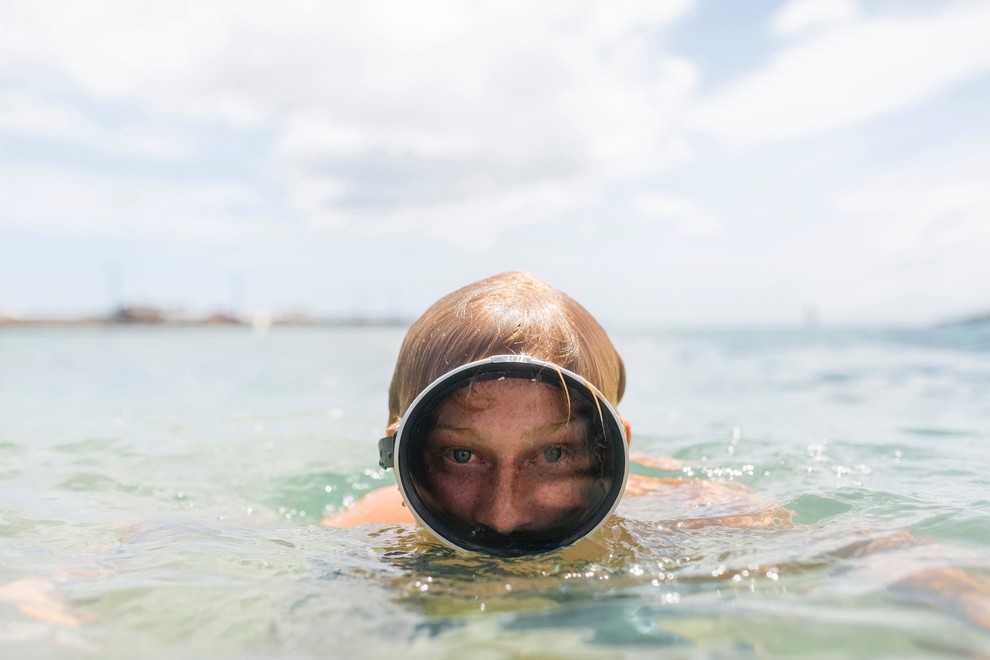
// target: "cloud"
[[383, 109], [688, 217], [41, 200], [917, 217], [858, 71], [473, 223], [800, 16], [907, 244], [31, 112]]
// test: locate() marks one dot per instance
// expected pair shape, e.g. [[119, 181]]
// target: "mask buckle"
[[386, 452]]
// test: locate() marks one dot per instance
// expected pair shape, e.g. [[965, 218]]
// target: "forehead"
[[517, 397]]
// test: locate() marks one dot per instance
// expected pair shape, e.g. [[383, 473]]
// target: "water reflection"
[[663, 583]]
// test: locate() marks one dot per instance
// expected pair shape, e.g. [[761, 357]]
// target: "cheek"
[[456, 492], [561, 493]]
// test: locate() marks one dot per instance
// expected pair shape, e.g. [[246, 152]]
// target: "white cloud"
[[45, 201], [909, 244], [474, 223], [27, 112], [385, 103], [688, 217], [866, 69], [799, 16], [916, 219]]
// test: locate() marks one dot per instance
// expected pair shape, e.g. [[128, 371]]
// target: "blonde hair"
[[509, 313]]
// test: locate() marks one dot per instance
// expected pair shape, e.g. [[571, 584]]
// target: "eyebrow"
[[551, 427]]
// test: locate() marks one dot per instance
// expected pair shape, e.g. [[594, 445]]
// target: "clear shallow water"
[[161, 489]]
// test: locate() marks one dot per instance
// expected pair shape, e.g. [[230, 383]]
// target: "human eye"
[[460, 455], [553, 453]]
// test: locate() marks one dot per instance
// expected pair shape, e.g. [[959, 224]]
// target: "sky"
[[669, 163]]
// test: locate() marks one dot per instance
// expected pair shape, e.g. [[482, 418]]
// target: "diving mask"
[[566, 483]]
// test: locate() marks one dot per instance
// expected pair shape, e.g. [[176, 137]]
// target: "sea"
[[826, 493]]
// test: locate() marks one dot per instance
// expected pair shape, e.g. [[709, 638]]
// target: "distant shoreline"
[[976, 320], [214, 321], [84, 323], [148, 316]]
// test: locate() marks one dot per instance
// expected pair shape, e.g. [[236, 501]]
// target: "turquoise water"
[[161, 491]]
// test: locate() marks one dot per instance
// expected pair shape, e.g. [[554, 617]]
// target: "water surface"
[[161, 491]]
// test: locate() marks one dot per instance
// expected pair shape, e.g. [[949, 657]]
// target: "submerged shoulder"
[[381, 506]]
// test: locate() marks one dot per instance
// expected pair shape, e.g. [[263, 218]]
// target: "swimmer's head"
[[501, 426], [509, 313]]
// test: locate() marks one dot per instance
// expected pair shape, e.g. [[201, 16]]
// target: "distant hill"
[[976, 319]]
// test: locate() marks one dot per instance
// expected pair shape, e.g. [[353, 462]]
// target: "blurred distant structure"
[[259, 321], [137, 314], [222, 318]]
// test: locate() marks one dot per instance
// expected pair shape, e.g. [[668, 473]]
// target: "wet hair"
[[509, 313]]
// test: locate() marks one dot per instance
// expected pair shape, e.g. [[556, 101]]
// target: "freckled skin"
[[504, 455]]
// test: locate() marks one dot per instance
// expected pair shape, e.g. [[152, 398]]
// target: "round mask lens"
[[511, 456]]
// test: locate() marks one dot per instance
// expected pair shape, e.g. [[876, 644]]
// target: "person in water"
[[501, 426], [503, 434]]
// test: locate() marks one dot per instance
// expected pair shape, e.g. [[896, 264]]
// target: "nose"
[[505, 508]]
